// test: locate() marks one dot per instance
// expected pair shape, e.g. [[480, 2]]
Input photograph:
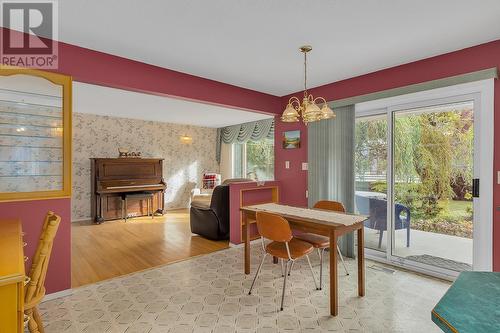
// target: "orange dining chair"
[[35, 289], [283, 245], [321, 243]]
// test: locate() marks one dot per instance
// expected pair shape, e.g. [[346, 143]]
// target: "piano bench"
[[148, 196]]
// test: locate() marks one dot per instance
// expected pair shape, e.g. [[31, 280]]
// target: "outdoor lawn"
[[455, 218]]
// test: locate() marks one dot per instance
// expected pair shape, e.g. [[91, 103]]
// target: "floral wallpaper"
[[101, 136]]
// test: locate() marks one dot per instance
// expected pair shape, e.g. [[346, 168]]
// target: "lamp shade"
[[290, 115], [311, 112], [327, 112]]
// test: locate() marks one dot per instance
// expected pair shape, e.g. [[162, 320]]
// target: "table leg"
[[361, 261], [334, 299], [246, 235]]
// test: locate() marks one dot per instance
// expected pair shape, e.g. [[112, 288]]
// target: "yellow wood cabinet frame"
[[66, 83], [12, 276]]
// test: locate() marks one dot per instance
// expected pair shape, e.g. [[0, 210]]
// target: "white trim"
[[243, 160], [390, 233], [434, 94], [482, 93], [483, 239], [242, 244], [361, 112], [58, 294], [371, 254]]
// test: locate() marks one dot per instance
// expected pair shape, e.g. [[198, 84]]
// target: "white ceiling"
[[88, 98], [253, 44]]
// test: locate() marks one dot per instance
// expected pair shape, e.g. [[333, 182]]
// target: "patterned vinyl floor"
[[209, 294]]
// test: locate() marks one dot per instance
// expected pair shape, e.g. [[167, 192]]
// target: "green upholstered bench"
[[471, 305]]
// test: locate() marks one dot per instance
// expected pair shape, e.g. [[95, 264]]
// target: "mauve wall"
[[293, 180], [455, 63], [32, 214]]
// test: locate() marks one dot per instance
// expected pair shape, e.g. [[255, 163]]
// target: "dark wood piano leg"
[[161, 202], [126, 209], [123, 207], [99, 219]]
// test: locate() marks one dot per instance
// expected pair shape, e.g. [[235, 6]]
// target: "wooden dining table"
[[326, 223]]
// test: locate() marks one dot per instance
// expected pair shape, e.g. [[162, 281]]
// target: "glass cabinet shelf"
[[31, 142]]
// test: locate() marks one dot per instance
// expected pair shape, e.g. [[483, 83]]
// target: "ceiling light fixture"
[[308, 109]]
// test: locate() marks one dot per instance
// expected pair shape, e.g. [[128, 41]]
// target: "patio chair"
[[377, 210]]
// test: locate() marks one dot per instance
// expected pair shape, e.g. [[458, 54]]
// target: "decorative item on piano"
[[123, 152], [210, 180]]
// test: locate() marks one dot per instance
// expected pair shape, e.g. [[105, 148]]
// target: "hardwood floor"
[[115, 248]]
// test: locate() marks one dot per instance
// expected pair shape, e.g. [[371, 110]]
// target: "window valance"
[[254, 131]]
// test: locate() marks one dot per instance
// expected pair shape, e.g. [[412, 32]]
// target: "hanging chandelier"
[[308, 109]]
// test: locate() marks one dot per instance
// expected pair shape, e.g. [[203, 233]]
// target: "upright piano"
[[113, 178]]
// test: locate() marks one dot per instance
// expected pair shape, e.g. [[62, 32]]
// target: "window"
[[254, 159]]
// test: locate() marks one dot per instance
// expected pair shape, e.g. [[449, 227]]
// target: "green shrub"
[[461, 228]]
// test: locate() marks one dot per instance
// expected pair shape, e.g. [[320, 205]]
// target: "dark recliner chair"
[[212, 220]]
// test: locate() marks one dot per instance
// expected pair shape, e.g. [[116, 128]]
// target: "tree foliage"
[[260, 158], [433, 155]]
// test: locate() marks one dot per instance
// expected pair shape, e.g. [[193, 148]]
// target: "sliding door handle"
[[475, 188]]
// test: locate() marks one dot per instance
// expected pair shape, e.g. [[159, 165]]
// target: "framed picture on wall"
[[291, 139]]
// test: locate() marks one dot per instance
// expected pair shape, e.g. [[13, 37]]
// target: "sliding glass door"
[[370, 154], [432, 192], [417, 168]]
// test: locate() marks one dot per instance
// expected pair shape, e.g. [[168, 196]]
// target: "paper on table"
[[322, 216]]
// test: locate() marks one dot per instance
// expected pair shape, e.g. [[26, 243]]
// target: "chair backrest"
[[330, 205], [35, 288], [273, 227]]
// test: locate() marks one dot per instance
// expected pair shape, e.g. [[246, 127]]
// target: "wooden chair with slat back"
[[283, 245], [321, 243], [335, 206], [35, 289]]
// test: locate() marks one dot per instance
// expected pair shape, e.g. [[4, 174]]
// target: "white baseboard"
[[243, 243], [81, 220], [58, 294], [90, 218]]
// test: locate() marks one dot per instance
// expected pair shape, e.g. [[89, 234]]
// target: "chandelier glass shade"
[[308, 108]]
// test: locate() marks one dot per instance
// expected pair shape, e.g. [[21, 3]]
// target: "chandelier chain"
[[305, 74]]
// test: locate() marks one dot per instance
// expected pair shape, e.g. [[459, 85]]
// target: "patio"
[[454, 248]]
